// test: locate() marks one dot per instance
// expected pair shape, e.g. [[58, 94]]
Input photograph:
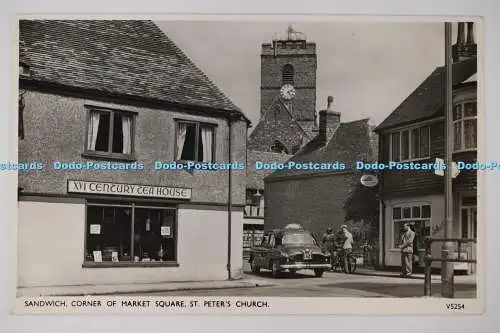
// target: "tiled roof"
[[128, 57], [255, 178], [427, 100], [353, 141]]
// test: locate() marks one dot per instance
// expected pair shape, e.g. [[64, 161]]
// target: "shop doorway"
[[468, 223]]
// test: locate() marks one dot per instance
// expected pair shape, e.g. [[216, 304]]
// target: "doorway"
[[468, 223]]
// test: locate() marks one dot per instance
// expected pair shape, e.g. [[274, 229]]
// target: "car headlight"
[[284, 255]]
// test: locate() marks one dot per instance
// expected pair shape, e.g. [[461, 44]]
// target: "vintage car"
[[289, 249]]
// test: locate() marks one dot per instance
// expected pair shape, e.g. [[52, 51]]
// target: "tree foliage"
[[363, 206]]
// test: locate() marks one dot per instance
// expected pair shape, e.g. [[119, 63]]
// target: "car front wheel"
[[318, 272]]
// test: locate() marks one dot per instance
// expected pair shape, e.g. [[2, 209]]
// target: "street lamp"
[[446, 266]]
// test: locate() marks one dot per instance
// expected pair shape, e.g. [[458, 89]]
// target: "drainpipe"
[[382, 232], [382, 229], [229, 200]]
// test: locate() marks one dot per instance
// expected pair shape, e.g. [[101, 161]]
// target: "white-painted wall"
[[51, 248]]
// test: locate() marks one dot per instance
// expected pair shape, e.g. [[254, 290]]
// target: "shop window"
[[419, 218], [465, 126], [410, 144], [110, 133], [130, 234], [195, 142]]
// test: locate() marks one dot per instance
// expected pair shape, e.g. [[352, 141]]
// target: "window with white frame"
[[110, 133], [410, 144], [195, 141], [465, 126], [419, 218]]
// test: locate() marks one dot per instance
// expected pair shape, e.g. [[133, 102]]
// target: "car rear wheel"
[[254, 267], [318, 272], [276, 269]]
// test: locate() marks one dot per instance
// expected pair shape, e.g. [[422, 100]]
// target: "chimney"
[[471, 46], [464, 49], [461, 33], [458, 48], [470, 33], [329, 121]]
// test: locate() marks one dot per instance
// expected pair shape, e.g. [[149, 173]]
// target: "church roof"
[[353, 141], [427, 100], [124, 57]]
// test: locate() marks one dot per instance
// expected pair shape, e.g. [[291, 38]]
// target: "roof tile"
[[427, 100], [127, 57]]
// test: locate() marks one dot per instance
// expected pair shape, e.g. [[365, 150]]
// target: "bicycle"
[[338, 262]]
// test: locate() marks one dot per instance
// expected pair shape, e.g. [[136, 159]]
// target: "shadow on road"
[[462, 290]]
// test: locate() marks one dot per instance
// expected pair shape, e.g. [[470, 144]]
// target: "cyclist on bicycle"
[[347, 247]]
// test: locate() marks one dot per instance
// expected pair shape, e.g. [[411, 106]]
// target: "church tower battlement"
[[292, 61]]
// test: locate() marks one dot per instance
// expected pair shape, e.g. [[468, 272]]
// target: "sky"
[[368, 67]]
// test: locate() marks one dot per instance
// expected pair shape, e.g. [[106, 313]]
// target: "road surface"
[[305, 284]]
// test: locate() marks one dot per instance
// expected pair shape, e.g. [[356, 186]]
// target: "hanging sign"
[[440, 167], [369, 180]]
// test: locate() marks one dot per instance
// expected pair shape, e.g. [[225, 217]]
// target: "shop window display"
[[117, 234]]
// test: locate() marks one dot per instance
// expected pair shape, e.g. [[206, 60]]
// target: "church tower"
[[288, 66], [287, 95]]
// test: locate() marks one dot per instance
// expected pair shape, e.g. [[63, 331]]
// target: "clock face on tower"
[[287, 92]]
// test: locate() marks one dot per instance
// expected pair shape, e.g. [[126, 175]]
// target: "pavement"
[[147, 288], [364, 283]]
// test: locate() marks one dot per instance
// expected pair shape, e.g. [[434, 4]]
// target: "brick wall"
[[315, 202]]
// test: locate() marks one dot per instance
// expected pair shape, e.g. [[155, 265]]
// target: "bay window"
[[465, 126]]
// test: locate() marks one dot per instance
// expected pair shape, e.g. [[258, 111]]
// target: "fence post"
[[427, 268]]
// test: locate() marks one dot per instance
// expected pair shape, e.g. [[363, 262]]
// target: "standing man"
[[406, 247], [347, 248]]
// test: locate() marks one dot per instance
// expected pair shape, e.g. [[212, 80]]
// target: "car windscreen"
[[301, 238]]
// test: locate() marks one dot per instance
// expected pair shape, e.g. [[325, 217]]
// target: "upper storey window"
[[110, 133], [465, 126], [410, 144]]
